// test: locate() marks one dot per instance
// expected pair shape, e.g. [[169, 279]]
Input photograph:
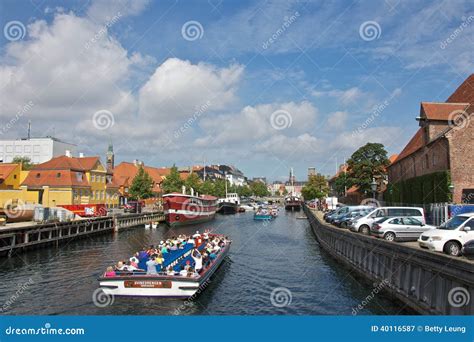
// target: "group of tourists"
[[204, 249]]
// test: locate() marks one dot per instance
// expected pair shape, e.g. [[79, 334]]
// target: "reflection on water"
[[264, 258]]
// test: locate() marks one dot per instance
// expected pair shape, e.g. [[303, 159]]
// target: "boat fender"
[[177, 217]]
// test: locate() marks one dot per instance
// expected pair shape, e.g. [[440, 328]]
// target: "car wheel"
[[389, 236], [452, 248], [365, 230]]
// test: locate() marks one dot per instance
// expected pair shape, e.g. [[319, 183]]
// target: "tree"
[[219, 187], [259, 189], [172, 182], [207, 188], [342, 183], [193, 181], [317, 187], [25, 161], [142, 185], [244, 191], [369, 161]]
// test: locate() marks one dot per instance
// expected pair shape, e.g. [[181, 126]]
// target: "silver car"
[[399, 228]]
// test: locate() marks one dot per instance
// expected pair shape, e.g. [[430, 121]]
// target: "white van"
[[364, 223], [450, 236]]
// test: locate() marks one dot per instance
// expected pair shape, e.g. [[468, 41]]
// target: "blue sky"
[[264, 85]]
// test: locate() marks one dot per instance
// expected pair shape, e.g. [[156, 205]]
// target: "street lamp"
[[373, 187], [451, 190]]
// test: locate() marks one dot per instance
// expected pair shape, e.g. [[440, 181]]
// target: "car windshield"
[[453, 223]]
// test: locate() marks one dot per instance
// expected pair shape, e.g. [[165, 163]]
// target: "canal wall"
[[428, 282], [20, 238]]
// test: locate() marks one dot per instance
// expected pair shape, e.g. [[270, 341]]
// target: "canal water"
[[272, 268]]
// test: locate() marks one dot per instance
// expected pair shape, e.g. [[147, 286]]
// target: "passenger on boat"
[[170, 270], [110, 272], [190, 241], [197, 257], [134, 262], [184, 271], [129, 267], [151, 266]]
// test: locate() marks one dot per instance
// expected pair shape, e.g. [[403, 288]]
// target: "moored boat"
[[229, 205], [164, 284], [292, 202], [181, 209]]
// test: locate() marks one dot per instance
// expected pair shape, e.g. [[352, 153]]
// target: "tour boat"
[[230, 204], [138, 283], [182, 209], [263, 214], [292, 202]]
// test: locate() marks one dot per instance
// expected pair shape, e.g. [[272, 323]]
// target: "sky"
[[262, 85]]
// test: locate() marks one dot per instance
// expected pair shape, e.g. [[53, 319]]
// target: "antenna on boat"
[[225, 176]]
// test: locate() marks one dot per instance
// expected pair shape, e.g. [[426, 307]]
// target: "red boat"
[[187, 209]]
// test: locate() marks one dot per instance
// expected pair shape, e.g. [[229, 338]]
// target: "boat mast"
[[225, 176]]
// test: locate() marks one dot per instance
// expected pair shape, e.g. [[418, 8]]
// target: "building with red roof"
[[443, 144]]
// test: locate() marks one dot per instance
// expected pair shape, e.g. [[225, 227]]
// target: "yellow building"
[[68, 180], [11, 192]]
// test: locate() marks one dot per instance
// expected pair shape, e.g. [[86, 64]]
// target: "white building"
[[235, 179], [39, 150]]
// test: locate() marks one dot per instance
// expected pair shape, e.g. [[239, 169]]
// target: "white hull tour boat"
[[140, 283]]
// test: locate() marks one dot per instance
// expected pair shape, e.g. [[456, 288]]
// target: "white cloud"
[[101, 11], [345, 97], [337, 120], [254, 123], [178, 88]]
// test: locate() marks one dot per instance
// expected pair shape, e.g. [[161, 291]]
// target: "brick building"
[[444, 143]]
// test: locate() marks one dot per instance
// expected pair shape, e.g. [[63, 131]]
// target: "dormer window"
[[58, 175], [38, 175]]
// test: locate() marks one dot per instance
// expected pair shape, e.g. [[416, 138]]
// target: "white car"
[[450, 236], [364, 223], [399, 228]]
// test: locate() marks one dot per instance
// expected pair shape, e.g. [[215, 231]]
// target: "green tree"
[[193, 181], [25, 161], [219, 187], [259, 189], [207, 188], [172, 182], [317, 187], [367, 162], [244, 190], [142, 185], [342, 183]]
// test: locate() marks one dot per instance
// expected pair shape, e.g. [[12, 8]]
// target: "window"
[[28, 149], [411, 221], [36, 149], [38, 175], [58, 175], [92, 178], [14, 176], [396, 221], [18, 149], [427, 161]]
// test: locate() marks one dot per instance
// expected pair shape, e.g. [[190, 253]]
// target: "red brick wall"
[[462, 158]]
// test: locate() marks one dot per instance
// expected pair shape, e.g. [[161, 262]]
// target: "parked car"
[[450, 236], [329, 212], [468, 249], [340, 219], [355, 215], [399, 228], [345, 210], [364, 223]]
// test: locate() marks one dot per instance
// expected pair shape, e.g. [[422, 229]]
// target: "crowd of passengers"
[[154, 256]]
